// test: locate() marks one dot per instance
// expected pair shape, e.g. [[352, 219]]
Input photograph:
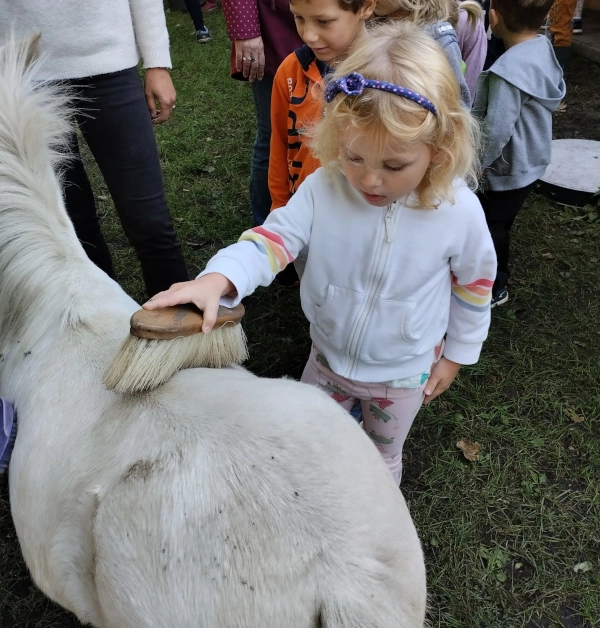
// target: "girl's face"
[[383, 179], [328, 29]]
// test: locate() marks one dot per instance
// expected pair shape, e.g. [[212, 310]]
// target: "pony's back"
[[269, 507]]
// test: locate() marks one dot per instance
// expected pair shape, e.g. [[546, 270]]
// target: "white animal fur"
[[219, 500]]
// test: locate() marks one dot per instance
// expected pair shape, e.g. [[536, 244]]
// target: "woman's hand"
[[250, 58], [204, 293], [442, 375], [158, 87]]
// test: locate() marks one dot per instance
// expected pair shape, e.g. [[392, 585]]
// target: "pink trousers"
[[388, 413]]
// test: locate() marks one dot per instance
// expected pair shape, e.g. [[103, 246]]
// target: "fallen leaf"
[[562, 107], [573, 415], [548, 255], [470, 450], [583, 567], [196, 245], [593, 260], [579, 343]]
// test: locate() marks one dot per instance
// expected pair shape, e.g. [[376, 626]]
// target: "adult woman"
[[95, 47], [262, 33]]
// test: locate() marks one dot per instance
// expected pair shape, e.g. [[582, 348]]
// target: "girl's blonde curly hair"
[[402, 54]]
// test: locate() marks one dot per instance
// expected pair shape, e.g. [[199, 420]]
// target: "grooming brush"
[[164, 341]]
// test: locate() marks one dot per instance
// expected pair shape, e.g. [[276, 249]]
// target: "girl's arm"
[[473, 270], [259, 254]]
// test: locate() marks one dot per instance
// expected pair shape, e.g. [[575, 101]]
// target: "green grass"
[[503, 535]]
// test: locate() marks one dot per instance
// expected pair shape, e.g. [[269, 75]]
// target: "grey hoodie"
[[446, 37], [515, 100]]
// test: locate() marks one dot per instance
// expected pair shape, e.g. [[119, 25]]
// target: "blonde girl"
[[439, 19], [400, 255]]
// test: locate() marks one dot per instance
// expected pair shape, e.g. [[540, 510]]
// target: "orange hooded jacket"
[[295, 104]]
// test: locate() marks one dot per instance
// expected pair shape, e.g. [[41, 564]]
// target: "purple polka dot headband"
[[354, 84]]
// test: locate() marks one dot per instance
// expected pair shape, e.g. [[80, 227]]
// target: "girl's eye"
[[298, 18], [353, 160], [394, 167], [324, 22]]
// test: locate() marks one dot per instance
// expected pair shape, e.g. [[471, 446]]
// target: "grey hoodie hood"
[[541, 77]]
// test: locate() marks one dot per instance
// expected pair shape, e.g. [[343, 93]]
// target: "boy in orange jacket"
[[328, 28]]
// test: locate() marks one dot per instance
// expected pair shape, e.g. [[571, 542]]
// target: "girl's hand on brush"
[[205, 293], [442, 375]]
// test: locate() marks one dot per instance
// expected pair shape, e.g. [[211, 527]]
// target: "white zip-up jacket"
[[382, 286]]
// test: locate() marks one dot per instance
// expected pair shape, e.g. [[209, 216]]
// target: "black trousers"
[[115, 123], [501, 209], [195, 10]]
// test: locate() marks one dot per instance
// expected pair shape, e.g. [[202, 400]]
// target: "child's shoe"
[[577, 26], [500, 297], [203, 35]]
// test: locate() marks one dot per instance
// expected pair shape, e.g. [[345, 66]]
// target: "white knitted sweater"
[[83, 38]]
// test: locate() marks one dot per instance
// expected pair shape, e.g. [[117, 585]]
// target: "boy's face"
[[328, 29]]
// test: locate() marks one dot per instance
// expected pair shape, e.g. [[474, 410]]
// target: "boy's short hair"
[[522, 15], [346, 5], [351, 5]]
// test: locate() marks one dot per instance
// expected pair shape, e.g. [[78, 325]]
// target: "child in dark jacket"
[[515, 101]]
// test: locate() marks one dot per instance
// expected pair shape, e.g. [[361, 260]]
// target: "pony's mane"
[[38, 245]]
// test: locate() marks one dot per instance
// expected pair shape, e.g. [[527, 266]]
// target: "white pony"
[[219, 500]]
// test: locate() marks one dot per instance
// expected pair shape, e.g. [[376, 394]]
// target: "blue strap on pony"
[[8, 433]]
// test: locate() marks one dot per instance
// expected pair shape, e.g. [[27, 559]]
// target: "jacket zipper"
[[390, 235]]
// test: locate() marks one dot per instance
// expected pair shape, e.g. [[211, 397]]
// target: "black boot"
[[564, 55]]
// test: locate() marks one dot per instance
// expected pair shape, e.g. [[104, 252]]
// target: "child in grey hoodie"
[[515, 101]]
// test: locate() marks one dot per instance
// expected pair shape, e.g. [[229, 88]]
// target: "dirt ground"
[[581, 118]]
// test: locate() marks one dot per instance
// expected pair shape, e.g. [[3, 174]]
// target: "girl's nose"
[[371, 178]]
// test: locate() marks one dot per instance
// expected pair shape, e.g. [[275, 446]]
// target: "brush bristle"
[[142, 365]]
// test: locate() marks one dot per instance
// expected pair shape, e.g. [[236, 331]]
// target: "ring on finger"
[[252, 59]]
